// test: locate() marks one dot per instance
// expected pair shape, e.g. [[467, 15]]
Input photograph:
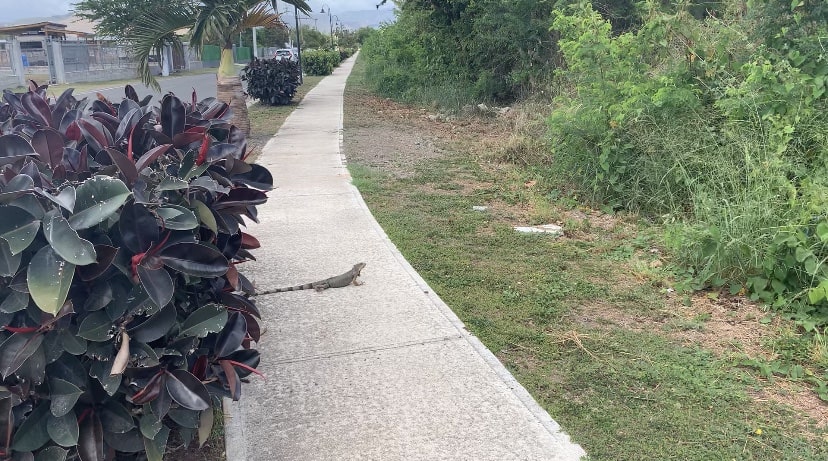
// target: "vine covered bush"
[[272, 81], [320, 62], [718, 126], [123, 316]]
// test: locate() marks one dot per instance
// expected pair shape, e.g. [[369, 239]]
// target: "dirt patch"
[[795, 396], [382, 133], [724, 325]]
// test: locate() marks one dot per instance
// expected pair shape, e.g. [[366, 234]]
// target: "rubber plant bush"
[[272, 81], [122, 314]]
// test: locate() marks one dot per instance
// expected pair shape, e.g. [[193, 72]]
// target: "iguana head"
[[358, 268]]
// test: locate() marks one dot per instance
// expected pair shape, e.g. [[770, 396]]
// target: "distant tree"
[[312, 38], [363, 33], [267, 37]]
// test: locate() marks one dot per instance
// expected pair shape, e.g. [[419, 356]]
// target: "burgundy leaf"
[[37, 107], [127, 168], [173, 116], [151, 156], [106, 254], [187, 390], [94, 134], [130, 93], [91, 441], [48, 144]]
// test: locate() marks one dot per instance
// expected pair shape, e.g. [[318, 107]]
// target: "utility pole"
[[298, 41]]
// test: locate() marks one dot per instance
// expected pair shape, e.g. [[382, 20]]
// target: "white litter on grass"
[[553, 229], [480, 208]]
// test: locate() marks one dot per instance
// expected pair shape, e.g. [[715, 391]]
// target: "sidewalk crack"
[[367, 350]]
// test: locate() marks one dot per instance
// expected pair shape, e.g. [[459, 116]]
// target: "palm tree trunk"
[[229, 89]]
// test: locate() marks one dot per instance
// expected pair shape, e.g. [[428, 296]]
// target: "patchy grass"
[[265, 120], [588, 322]]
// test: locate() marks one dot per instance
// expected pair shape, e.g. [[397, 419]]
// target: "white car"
[[285, 53]]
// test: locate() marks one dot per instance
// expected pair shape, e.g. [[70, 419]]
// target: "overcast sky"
[[12, 10]]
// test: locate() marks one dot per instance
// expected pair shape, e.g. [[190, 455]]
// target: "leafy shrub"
[[123, 315], [717, 125], [272, 81], [320, 62], [345, 53]]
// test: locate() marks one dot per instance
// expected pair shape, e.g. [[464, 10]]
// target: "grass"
[[586, 322]]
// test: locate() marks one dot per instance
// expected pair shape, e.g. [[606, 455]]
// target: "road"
[[204, 84]]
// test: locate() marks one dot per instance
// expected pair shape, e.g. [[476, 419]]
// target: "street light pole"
[[330, 20]]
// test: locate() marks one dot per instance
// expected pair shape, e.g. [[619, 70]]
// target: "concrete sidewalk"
[[383, 371]]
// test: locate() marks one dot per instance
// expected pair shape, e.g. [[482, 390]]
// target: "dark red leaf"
[[187, 390], [91, 441], [125, 165], [151, 156], [48, 144], [172, 116], [37, 107], [106, 254]]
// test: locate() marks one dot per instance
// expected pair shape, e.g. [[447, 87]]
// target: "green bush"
[[272, 81], [320, 62], [718, 126], [345, 53], [123, 315]]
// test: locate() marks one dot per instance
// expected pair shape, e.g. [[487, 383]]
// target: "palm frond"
[[153, 31], [215, 21], [301, 5], [259, 16]]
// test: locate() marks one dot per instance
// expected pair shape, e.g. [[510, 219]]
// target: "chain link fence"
[[87, 62]]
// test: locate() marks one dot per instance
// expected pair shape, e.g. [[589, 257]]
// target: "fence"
[[89, 62], [11, 67]]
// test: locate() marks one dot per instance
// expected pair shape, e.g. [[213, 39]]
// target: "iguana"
[[339, 281]]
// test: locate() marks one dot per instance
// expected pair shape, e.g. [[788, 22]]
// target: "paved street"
[[204, 84]]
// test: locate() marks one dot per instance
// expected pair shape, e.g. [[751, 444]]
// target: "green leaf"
[[52, 453], [64, 396], [205, 216], [811, 265], [14, 302], [170, 183], [49, 278], [205, 426], [801, 253], [64, 429], [16, 349], [20, 238], [822, 231], [67, 243], [9, 262], [177, 217], [150, 424], [98, 198], [97, 326], [115, 418], [155, 447], [32, 434], [209, 319]]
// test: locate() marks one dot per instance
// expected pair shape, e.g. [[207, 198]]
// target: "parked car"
[[285, 53]]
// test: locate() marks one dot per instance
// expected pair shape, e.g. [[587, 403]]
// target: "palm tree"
[[209, 21]]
